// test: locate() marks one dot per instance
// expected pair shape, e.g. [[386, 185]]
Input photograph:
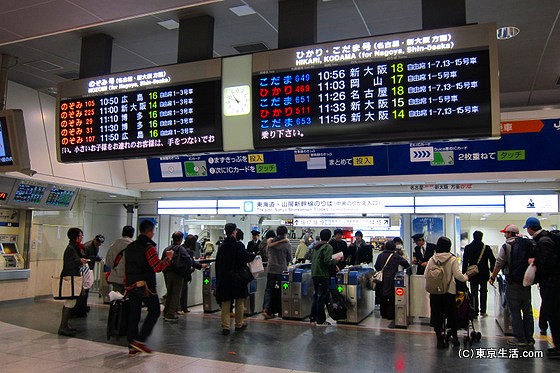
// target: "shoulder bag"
[[473, 269], [378, 276]]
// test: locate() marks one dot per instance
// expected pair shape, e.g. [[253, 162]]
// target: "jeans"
[[479, 306], [174, 284], [137, 297], [271, 280], [519, 304], [239, 310], [321, 288], [550, 306]]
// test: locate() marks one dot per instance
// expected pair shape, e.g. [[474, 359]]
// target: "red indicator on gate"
[[399, 292]]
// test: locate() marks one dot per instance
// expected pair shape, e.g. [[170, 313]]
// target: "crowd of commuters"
[[133, 264]]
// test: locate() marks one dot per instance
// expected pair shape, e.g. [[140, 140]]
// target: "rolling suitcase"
[[117, 322]]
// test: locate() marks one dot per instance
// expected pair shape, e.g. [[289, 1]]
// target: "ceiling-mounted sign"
[[318, 206], [532, 203], [370, 223], [432, 84], [170, 110], [459, 204]]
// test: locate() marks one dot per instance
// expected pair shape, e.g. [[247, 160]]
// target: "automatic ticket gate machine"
[[257, 287], [402, 311], [360, 301], [297, 292], [209, 303]]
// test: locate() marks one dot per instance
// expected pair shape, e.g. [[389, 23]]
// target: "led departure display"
[[412, 87], [6, 158], [171, 111]]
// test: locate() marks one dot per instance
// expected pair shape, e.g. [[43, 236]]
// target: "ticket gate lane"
[[208, 287], [297, 292], [360, 302], [257, 287]]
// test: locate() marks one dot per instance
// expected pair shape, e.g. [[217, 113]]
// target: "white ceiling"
[[51, 30]]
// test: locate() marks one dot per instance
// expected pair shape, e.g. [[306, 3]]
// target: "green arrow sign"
[[285, 285], [340, 289], [206, 281]]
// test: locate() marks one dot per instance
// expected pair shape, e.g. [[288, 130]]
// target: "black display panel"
[[29, 193], [14, 154], [175, 110], [438, 84], [6, 158], [60, 197]]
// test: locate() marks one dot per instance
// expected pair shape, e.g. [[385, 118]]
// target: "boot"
[[441, 344], [64, 329]]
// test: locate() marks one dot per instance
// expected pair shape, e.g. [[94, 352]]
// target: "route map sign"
[[169, 110], [425, 85]]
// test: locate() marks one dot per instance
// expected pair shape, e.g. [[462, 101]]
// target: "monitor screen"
[[29, 193], [14, 153], [60, 197]]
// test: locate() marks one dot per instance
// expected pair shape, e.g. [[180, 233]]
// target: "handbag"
[[242, 275], [256, 266], [529, 277], [378, 276], [473, 269], [66, 287]]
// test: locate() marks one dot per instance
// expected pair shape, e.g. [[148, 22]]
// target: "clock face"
[[237, 100]]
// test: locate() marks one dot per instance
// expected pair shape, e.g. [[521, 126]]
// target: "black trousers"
[[550, 306], [479, 302], [442, 308]]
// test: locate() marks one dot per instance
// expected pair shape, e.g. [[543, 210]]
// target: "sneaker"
[[133, 352], [267, 315], [515, 342], [242, 327], [141, 347], [180, 313], [170, 318], [326, 323], [225, 331]]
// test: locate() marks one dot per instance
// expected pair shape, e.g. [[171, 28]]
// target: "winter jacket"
[[470, 257], [451, 270], [279, 256], [231, 257], [321, 260]]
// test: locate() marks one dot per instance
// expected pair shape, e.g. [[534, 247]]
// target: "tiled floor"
[[29, 343]]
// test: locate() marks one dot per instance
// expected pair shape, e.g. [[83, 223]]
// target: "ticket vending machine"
[[209, 303], [360, 301], [402, 318], [11, 256]]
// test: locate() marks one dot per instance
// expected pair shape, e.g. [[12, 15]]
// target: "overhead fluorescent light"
[[170, 24], [243, 10], [508, 32]]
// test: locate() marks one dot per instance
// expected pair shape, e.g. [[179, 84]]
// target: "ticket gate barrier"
[[503, 316], [297, 292], [257, 287], [360, 301], [402, 318], [418, 297], [209, 303]]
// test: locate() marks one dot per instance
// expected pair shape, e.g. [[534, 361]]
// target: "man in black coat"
[[253, 245], [423, 251], [231, 258], [480, 254]]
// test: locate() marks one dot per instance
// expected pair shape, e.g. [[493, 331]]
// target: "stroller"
[[464, 304]]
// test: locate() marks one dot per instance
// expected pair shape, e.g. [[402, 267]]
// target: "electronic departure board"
[[426, 85], [170, 110], [60, 197], [29, 193], [42, 196], [14, 154]]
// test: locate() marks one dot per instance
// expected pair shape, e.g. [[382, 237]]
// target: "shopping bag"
[[87, 277], [529, 277], [67, 287], [256, 266]]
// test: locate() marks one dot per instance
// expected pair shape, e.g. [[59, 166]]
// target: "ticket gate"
[[257, 287], [418, 297], [360, 301], [503, 317], [209, 303], [402, 290], [297, 292]]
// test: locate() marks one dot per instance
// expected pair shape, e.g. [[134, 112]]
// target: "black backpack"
[[549, 262], [517, 259], [336, 305]]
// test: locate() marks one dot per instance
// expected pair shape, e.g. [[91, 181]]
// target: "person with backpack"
[[175, 276], [513, 260], [441, 272], [115, 259], [388, 262], [547, 261], [481, 255]]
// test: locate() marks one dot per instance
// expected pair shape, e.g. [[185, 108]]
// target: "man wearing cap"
[[513, 260], [423, 251], [91, 250], [253, 245], [547, 261]]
